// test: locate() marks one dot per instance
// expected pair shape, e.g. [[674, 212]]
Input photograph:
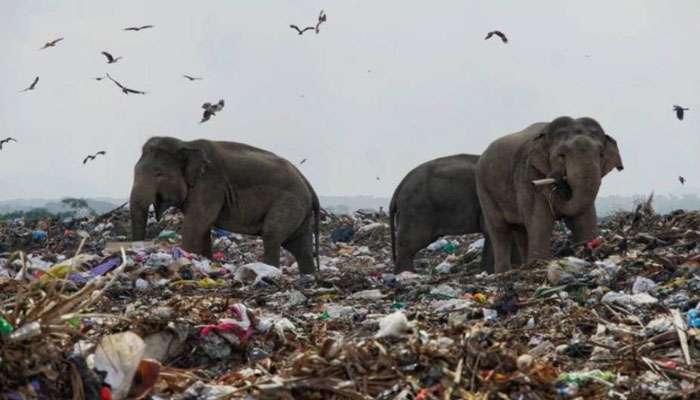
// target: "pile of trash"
[[84, 314]]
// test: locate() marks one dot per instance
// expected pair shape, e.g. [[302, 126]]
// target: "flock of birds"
[[111, 59], [210, 109]]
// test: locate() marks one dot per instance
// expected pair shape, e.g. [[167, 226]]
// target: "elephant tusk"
[[547, 181]]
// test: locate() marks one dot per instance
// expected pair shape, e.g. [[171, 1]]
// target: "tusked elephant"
[[575, 152], [229, 185], [436, 198]]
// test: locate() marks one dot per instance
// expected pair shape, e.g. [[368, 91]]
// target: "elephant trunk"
[[139, 202], [584, 180]]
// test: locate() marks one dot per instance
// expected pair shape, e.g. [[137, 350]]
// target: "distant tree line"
[[663, 204], [76, 208]]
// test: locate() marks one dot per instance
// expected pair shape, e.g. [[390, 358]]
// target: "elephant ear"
[[196, 164], [539, 155], [611, 156]]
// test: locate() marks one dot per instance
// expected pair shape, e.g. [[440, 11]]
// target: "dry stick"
[[474, 372], [682, 336], [80, 248]]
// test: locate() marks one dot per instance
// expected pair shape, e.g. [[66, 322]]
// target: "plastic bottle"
[[27, 331], [437, 245]]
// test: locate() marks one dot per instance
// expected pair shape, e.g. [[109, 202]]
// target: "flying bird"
[[7, 140], [681, 180], [680, 111], [302, 161], [192, 78], [211, 110], [99, 78], [51, 43], [124, 89], [301, 31], [497, 33], [33, 85], [93, 156], [110, 58], [138, 28], [321, 19]]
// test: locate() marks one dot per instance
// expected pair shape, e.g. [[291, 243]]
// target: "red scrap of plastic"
[[106, 393], [670, 364], [228, 327], [240, 312], [218, 256], [422, 394], [594, 244]]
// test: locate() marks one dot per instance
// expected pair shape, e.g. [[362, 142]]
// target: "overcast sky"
[[385, 86]]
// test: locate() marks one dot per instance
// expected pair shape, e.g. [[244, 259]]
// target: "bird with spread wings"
[[33, 85], [51, 43], [7, 140], [93, 156], [497, 33], [138, 28], [124, 89]]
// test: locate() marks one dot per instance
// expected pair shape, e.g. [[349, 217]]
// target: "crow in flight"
[[302, 161], [51, 43], [680, 111], [126, 90], [93, 156], [497, 33], [110, 58], [6, 140], [192, 78], [321, 19], [211, 110], [138, 28], [681, 180], [301, 31], [33, 85]]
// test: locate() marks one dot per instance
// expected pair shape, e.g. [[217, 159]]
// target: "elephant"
[[576, 153], [436, 198], [227, 185]]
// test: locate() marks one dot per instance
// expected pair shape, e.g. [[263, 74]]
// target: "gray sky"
[[435, 87]]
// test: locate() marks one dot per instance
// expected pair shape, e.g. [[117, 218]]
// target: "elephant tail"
[[317, 223], [392, 225]]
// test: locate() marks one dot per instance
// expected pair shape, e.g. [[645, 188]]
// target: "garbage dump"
[[85, 314]]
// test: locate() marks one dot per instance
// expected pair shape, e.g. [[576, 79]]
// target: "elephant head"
[[167, 170], [579, 150]]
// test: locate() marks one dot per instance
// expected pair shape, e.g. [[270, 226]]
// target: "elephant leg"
[[487, 255], [200, 215], [539, 233], [281, 222], [583, 227], [412, 236], [206, 244], [502, 237], [519, 253], [301, 247]]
